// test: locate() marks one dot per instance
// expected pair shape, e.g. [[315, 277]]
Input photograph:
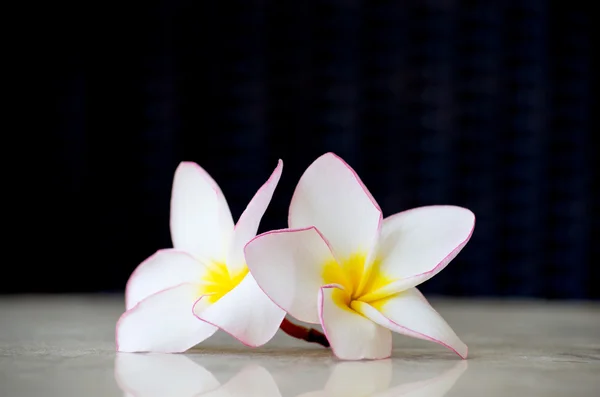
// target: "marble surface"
[[64, 346]]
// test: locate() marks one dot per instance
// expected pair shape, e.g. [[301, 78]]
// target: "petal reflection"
[[359, 378], [373, 378], [150, 375], [356, 379], [252, 381], [174, 375], [433, 387]]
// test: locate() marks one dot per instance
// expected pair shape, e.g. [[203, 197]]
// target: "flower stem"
[[306, 334]]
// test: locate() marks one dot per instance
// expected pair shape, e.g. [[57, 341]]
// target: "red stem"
[[306, 334]]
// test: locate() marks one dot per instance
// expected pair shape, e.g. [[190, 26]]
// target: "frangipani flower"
[[342, 265], [179, 297]]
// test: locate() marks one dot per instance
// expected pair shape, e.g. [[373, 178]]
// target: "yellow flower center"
[[218, 281], [361, 283]]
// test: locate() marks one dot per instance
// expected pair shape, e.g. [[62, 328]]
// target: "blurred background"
[[482, 104]]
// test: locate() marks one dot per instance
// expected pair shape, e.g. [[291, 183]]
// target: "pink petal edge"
[[321, 303], [135, 271], [249, 212], [205, 175], [241, 340], [365, 190], [419, 335], [264, 310], [278, 231], [275, 174], [360, 182], [452, 253], [128, 312], [429, 338]]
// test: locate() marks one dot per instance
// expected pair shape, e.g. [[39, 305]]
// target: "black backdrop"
[[483, 104]]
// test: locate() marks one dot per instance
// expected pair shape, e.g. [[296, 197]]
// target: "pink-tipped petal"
[[288, 266], [149, 375], [201, 222], [410, 314], [252, 381], [352, 336], [417, 244], [245, 313], [331, 197], [165, 269], [163, 323], [247, 225]]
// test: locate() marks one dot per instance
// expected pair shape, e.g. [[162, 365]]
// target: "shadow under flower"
[[150, 375]]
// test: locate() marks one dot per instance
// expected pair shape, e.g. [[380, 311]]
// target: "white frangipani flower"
[[342, 265], [179, 297]]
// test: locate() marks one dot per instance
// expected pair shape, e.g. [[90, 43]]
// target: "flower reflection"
[[168, 375], [358, 378], [161, 375], [372, 379], [432, 387], [150, 375]]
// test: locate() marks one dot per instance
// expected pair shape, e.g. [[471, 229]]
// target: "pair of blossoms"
[[339, 264]]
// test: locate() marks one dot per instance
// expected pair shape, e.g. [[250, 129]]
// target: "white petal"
[[247, 226], [352, 336], [201, 222], [245, 312], [252, 381], [358, 379], [165, 269], [163, 323], [410, 314], [416, 245], [331, 197], [150, 375], [434, 387], [289, 266]]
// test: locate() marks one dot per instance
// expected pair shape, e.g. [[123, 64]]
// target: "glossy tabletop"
[[64, 346]]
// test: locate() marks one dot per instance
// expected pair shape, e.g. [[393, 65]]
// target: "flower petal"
[[247, 225], [165, 269], [416, 245], [289, 265], [201, 222], [331, 197], [163, 323], [146, 375], [410, 314], [245, 312], [352, 336], [251, 381]]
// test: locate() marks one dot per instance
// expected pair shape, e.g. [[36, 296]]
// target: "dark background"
[[482, 104]]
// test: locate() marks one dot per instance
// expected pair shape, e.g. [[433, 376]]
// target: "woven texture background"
[[483, 104]]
